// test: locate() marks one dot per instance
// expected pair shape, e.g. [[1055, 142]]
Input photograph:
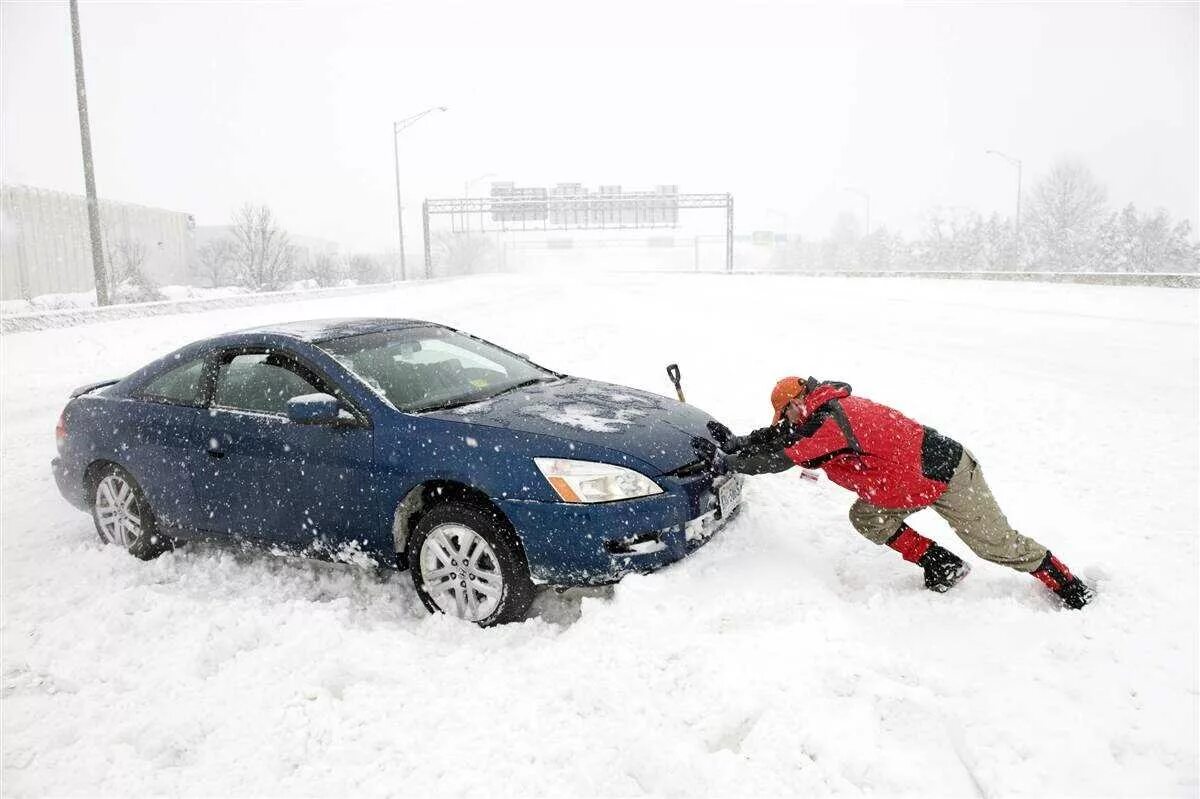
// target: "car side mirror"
[[314, 409]]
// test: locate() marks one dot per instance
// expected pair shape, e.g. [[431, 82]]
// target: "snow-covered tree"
[[839, 252], [953, 241], [1183, 253], [1130, 241], [1001, 250], [881, 251], [1065, 210]]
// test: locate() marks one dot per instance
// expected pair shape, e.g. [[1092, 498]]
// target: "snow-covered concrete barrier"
[[70, 317], [1167, 280]]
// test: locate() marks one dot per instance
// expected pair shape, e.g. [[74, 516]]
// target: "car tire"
[[466, 561], [122, 514]]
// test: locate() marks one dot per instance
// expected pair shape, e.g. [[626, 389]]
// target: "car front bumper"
[[571, 544]]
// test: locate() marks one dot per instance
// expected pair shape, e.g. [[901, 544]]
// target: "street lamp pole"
[[397, 127], [467, 184], [866, 196], [1017, 163]]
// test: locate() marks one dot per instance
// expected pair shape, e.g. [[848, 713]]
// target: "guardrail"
[[69, 317]]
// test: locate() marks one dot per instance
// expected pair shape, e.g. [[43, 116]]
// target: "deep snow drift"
[[787, 657]]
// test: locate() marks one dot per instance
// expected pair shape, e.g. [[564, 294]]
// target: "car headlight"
[[588, 481]]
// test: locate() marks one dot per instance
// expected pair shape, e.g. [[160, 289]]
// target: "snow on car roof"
[[326, 329]]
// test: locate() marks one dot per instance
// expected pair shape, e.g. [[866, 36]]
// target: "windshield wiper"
[[441, 406], [458, 403], [522, 384]]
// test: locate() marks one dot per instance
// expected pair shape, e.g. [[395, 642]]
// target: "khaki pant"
[[969, 507]]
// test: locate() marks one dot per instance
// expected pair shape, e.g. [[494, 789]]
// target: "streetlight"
[[396, 128], [1017, 163], [467, 184], [866, 196]]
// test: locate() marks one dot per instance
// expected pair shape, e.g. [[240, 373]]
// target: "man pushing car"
[[897, 467]]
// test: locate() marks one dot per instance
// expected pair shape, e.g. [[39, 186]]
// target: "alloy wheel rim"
[[460, 572], [117, 512]]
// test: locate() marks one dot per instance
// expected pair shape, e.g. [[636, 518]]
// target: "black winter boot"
[[943, 569], [1055, 575]]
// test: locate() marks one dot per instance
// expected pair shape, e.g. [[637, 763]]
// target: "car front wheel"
[[123, 516], [466, 563]]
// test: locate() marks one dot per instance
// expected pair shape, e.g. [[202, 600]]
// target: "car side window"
[[180, 385], [262, 382]]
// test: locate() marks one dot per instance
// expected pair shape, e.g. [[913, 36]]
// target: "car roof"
[[314, 330]]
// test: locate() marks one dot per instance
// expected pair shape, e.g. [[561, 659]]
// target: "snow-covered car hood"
[[655, 429]]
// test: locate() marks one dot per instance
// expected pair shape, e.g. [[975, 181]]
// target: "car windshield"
[[429, 368]]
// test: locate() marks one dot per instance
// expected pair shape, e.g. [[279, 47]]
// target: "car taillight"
[[60, 430]]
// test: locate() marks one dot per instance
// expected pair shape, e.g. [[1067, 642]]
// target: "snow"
[[585, 416], [310, 400], [788, 656]]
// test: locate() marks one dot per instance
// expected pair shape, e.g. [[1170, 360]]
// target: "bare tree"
[[1065, 209], [263, 257], [124, 258], [323, 267], [366, 269], [463, 253], [214, 262]]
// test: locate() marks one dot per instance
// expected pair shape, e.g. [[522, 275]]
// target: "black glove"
[[719, 432], [724, 437], [704, 448]]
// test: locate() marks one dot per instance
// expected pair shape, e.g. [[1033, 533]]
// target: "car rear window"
[[180, 385]]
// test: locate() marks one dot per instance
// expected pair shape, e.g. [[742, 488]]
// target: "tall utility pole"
[[396, 128], [89, 177], [1017, 163], [866, 196]]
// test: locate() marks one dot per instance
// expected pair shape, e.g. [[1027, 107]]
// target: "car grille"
[[698, 466]]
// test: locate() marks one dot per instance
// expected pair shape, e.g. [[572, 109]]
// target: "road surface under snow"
[[787, 657]]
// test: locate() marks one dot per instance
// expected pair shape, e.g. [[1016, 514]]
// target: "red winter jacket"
[[878, 453]]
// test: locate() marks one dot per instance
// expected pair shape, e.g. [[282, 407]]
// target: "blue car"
[[399, 442]]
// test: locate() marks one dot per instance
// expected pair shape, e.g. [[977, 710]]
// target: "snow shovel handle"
[[673, 373]]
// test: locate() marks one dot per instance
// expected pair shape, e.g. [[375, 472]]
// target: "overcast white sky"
[[200, 106]]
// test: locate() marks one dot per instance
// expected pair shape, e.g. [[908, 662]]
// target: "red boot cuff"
[[909, 543], [1053, 573]]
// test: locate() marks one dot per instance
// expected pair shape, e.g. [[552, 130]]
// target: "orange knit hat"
[[784, 392]]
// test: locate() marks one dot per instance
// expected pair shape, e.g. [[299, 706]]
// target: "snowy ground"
[[787, 657]]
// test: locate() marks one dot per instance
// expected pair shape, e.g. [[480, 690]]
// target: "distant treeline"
[[1065, 226]]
